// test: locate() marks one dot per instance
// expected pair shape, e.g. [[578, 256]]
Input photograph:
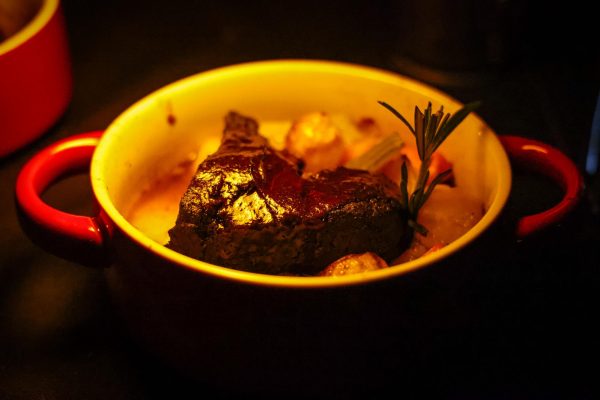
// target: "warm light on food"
[[317, 140], [258, 224], [354, 264]]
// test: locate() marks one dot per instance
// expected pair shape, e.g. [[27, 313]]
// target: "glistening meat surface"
[[248, 207]]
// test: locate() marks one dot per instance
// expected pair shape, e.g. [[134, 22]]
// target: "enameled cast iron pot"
[[269, 333], [35, 68]]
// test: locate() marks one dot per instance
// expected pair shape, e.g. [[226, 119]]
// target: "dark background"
[[536, 68]]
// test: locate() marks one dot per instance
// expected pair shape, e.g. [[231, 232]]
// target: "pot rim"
[[500, 197], [41, 18]]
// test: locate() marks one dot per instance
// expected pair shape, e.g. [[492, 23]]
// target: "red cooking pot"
[[247, 330], [35, 71]]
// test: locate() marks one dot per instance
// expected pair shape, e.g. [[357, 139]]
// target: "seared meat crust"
[[248, 207]]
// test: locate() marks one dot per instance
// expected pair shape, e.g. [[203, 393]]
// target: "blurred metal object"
[[593, 152], [591, 162], [457, 43]]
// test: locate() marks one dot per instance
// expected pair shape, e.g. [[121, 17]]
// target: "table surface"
[[59, 337]]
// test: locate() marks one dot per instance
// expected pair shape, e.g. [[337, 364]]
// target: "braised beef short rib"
[[249, 207]]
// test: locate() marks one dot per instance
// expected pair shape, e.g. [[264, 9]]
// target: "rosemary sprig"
[[430, 131]]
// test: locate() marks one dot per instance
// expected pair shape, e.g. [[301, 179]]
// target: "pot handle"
[[77, 238], [546, 160]]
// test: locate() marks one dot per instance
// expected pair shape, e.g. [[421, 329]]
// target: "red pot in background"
[[35, 74]]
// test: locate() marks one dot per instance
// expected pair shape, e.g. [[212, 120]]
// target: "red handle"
[[548, 161], [74, 237]]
